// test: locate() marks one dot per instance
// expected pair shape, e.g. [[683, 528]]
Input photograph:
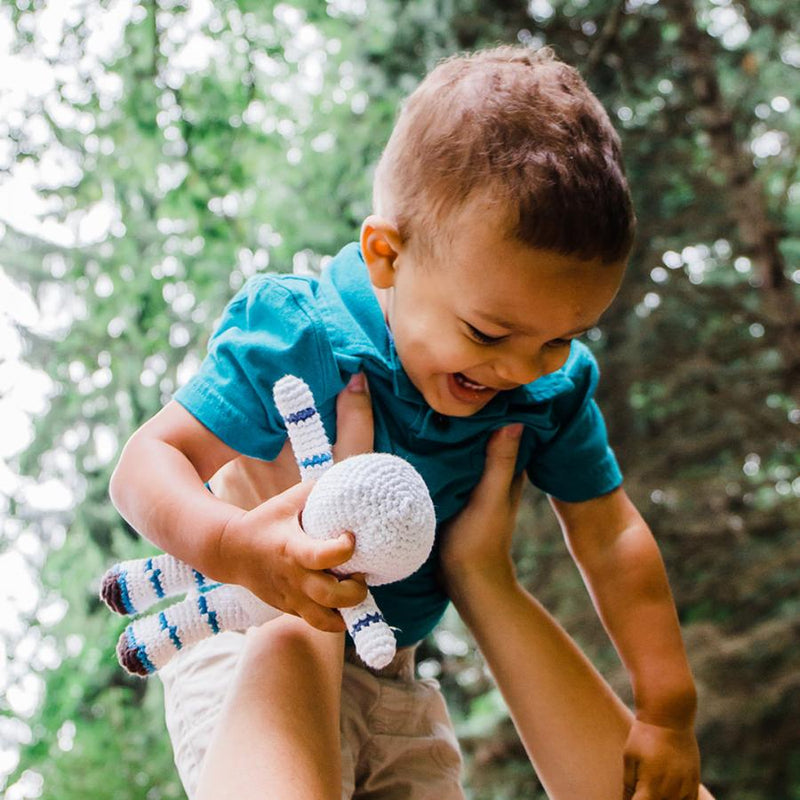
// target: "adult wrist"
[[472, 582]]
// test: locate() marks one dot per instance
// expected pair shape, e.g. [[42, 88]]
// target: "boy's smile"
[[485, 314]]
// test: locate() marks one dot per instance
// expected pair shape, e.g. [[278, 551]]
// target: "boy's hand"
[[661, 763], [478, 539], [266, 550]]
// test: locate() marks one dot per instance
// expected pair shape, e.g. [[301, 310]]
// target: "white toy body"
[[379, 497]]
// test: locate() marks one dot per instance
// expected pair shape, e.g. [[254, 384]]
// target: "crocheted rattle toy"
[[381, 498]]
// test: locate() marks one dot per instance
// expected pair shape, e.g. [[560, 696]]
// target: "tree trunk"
[[758, 235]]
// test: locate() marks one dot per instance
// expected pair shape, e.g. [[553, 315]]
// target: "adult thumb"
[[354, 420], [501, 461]]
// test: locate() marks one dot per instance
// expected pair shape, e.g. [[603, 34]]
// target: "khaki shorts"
[[398, 742]]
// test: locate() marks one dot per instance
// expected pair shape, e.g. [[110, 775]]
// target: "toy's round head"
[[383, 500]]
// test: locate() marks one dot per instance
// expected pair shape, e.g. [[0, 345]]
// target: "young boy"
[[501, 230]]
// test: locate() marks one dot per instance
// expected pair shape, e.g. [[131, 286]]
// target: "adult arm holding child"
[[580, 737], [270, 741]]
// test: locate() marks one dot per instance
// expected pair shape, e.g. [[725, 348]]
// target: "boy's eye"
[[556, 343], [482, 337]]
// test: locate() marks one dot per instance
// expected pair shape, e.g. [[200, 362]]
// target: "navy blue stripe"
[[211, 616], [141, 650], [365, 622], [122, 580], [154, 576], [171, 629], [300, 416]]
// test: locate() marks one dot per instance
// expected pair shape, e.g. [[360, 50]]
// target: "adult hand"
[[477, 541], [247, 482]]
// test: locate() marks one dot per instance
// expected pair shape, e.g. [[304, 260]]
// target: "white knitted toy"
[[381, 498]]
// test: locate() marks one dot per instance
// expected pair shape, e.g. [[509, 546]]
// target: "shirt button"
[[440, 422]]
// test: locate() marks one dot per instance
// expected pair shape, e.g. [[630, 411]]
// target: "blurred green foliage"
[[241, 137]]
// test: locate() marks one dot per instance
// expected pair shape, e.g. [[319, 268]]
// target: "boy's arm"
[[159, 488], [624, 573]]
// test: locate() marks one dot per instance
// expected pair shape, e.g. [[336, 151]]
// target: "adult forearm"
[[629, 586], [159, 492], [572, 725]]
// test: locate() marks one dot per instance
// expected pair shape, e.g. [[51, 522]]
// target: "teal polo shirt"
[[326, 329]]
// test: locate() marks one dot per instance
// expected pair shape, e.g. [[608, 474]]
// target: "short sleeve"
[[267, 331], [578, 463]]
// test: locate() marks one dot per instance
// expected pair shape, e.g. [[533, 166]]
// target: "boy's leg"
[[278, 732], [399, 742]]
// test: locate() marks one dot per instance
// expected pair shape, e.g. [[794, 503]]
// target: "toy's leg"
[[131, 587], [373, 638], [278, 733], [148, 643]]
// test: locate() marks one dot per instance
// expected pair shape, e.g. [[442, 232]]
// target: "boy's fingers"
[[353, 592], [354, 422], [501, 460], [319, 554], [324, 619], [629, 777], [327, 591]]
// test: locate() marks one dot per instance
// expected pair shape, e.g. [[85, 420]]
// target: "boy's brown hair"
[[522, 126]]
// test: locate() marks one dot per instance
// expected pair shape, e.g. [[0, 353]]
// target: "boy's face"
[[487, 313]]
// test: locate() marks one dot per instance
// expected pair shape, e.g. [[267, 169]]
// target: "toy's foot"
[[132, 656], [112, 593]]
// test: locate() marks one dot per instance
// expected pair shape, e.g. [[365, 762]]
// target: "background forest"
[[178, 147]]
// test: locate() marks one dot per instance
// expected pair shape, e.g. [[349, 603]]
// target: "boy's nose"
[[519, 371], [526, 368]]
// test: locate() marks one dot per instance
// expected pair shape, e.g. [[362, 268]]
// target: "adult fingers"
[[354, 421], [501, 459]]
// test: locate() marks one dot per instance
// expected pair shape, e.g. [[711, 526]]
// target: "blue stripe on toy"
[[301, 416], [154, 576], [171, 629], [210, 616], [315, 460], [199, 578], [208, 587], [365, 622], [141, 650], [122, 580]]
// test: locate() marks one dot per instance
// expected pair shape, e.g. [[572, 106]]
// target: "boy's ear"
[[380, 245]]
